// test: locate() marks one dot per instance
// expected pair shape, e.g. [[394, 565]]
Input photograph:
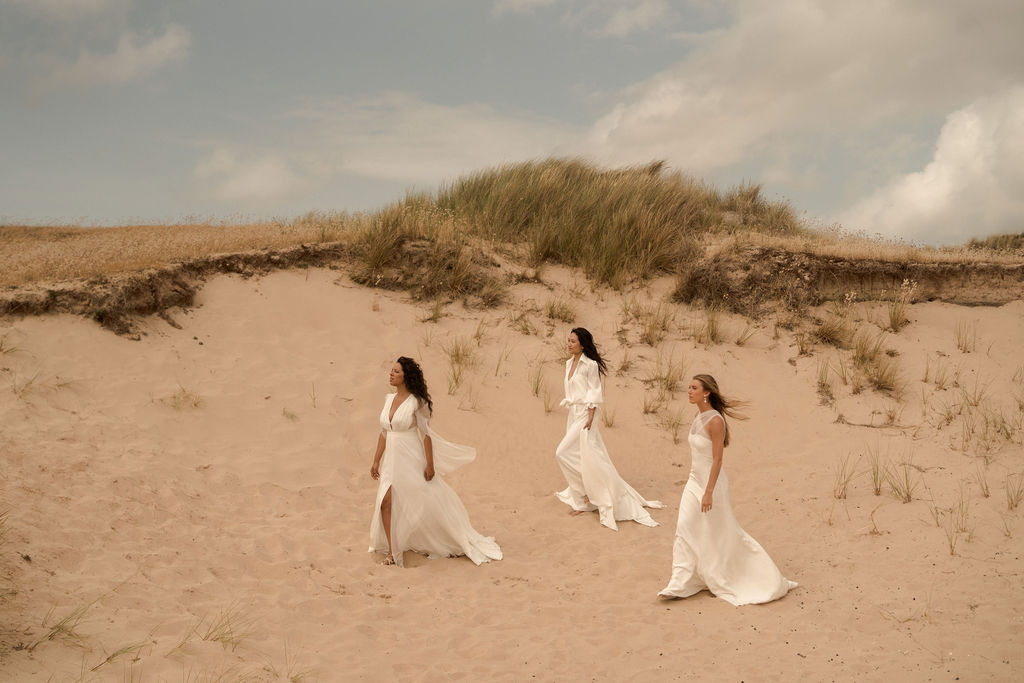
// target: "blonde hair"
[[724, 406]]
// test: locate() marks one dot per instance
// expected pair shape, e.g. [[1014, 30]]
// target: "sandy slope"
[[159, 516]]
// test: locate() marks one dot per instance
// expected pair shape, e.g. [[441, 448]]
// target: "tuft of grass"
[[653, 402], [461, 358], [1014, 490], [64, 629], [668, 373], [901, 482], [709, 332], [825, 390], [745, 334], [229, 628], [536, 378], [607, 416], [132, 649], [519, 319], [673, 423], [289, 415], [549, 401], [804, 343], [626, 363], [842, 475], [556, 309], [966, 336], [503, 356], [654, 324], [898, 306], [982, 480], [879, 471], [435, 312], [834, 331]]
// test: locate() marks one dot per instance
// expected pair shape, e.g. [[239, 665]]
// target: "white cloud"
[[399, 137], [784, 69], [133, 59], [973, 187], [265, 179]]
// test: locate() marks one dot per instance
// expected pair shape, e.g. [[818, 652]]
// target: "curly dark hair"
[[415, 383], [589, 349]]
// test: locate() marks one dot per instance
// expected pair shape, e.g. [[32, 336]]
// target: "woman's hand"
[[428, 473], [589, 422], [705, 503], [374, 471]]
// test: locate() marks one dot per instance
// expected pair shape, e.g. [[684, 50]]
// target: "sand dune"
[[219, 472]]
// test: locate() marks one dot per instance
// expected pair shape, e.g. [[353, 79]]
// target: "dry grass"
[[184, 398], [879, 471], [841, 478], [744, 335], [1014, 490], [461, 359], [898, 305], [669, 371], [55, 253], [709, 332], [966, 336], [557, 309], [902, 483], [833, 330]]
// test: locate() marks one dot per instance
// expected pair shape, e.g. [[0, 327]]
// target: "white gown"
[[426, 516], [594, 483], [711, 551]]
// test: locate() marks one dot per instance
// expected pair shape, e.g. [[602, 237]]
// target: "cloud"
[[637, 16], [400, 137], [782, 69], [973, 186], [133, 59], [265, 179]]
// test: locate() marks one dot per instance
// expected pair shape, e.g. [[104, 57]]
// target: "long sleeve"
[[448, 456], [594, 396]]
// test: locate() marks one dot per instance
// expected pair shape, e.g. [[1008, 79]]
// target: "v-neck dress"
[[426, 516]]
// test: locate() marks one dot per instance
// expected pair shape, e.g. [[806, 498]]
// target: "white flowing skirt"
[[426, 516], [594, 483]]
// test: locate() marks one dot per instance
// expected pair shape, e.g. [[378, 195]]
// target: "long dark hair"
[[414, 381], [725, 406], [589, 349]]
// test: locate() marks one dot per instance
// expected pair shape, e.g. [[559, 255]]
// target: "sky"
[[901, 118]]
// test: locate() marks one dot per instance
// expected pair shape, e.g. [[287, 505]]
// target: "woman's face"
[[696, 392], [573, 346], [397, 376]]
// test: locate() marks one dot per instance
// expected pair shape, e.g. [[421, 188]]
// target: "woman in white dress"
[[711, 551], [415, 509], [594, 483]]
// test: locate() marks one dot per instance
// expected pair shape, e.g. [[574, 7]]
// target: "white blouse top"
[[584, 387]]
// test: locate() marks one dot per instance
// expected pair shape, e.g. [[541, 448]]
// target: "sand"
[[201, 498]]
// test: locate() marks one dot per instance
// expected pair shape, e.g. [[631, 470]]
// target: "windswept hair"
[[725, 406], [589, 349], [415, 383]]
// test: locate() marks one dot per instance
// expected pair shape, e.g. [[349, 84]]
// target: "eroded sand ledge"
[[221, 465]]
